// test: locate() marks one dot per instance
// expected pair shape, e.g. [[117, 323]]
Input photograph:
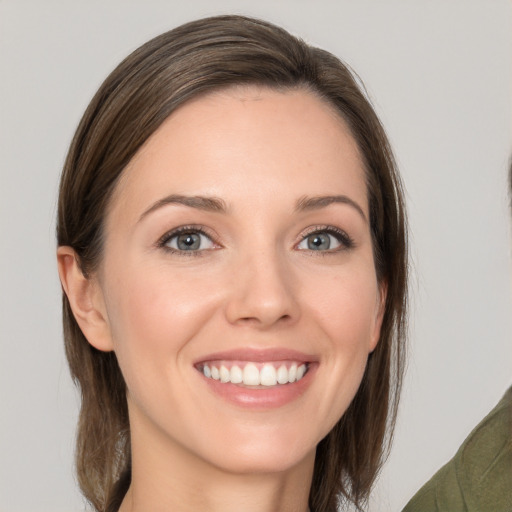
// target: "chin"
[[246, 463], [263, 454]]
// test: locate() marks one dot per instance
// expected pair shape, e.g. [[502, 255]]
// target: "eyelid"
[[343, 237], [191, 228]]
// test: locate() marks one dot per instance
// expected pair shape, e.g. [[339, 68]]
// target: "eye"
[[187, 240], [325, 240]]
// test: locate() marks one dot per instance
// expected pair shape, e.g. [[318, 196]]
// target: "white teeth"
[[282, 374], [268, 375], [292, 373], [224, 374], [236, 375], [252, 375]]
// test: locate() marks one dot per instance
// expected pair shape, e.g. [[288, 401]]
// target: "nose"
[[263, 292]]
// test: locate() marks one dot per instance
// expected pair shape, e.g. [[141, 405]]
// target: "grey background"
[[440, 76]]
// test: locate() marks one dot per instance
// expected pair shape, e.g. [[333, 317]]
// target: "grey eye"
[[320, 241], [193, 241], [188, 242]]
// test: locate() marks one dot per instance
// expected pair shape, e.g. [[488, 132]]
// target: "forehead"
[[246, 142]]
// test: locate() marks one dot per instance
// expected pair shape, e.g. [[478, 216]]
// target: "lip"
[[260, 399], [259, 356]]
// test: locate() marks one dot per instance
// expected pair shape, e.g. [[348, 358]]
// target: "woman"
[[232, 248]]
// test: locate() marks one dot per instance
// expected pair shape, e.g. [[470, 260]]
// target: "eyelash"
[[346, 242], [167, 237]]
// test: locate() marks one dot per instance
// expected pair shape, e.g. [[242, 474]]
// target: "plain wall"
[[440, 76]]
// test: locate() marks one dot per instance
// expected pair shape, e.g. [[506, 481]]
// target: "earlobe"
[[86, 300], [379, 315]]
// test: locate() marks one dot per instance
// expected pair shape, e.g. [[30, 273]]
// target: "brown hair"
[[131, 104]]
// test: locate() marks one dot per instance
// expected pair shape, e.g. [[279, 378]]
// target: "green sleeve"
[[479, 477]]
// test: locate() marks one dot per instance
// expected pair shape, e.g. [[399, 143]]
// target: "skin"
[[255, 284]]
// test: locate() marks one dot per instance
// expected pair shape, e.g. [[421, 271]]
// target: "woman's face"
[[238, 249]]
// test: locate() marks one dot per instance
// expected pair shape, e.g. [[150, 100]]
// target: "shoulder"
[[484, 461], [479, 477]]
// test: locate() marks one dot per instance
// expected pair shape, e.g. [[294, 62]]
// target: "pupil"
[[319, 241], [188, 241]]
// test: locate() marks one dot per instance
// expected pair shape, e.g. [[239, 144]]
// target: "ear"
[[380, 308], [86, 300]]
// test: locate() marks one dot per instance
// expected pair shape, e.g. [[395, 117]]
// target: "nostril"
[[249, 320], [258, 320]]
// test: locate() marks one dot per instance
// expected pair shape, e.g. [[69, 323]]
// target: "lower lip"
[[261, 398]]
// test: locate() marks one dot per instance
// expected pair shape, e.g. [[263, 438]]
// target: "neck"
[[168, 477], [261, 493]]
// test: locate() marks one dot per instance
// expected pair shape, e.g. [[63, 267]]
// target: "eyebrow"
[[217, 205], [209, 204], [317, 202]]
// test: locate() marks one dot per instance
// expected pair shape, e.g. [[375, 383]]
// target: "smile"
[[261, 374], [258, 379]]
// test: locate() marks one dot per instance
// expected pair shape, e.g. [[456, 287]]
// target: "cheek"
[[345, 310], [153, 317], [346, 307]]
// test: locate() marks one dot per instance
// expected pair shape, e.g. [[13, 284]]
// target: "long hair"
[[143, 91]]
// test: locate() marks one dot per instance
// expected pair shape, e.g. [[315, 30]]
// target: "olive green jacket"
[[479, 477]]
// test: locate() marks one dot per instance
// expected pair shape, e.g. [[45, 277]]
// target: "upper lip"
[[259, 355]]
